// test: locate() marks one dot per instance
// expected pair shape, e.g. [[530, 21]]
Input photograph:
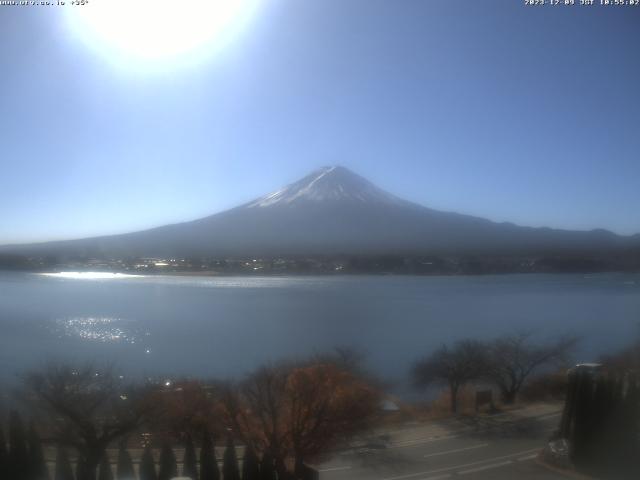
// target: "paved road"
[[497, 447]]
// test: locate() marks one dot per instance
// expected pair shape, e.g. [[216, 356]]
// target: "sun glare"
[[90, 275], [159, 30]]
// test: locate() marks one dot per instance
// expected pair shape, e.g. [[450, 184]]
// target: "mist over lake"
[[225, 326]]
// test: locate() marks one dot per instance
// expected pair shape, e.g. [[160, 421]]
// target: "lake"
[[225, 326]]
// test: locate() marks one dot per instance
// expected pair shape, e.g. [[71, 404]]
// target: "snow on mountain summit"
[[333, 211], [328, 184]]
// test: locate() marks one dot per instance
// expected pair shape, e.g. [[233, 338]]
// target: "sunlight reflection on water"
[[101, 329], [199, 281], [89, 275]]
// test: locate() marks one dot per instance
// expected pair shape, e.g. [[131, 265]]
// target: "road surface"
[[493, 447]]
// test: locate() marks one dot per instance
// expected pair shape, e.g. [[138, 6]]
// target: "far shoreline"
[[217, 274]]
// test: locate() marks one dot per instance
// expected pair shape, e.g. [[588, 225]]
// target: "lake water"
[[223, 327]]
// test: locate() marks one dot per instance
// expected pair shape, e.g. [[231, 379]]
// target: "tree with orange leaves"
[[300, 413], [187, 407]]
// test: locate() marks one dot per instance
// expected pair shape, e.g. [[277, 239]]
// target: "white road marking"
[[334, 469], [549, 415], [456, 467], [421, 441], [528, 457], [485, 467], [473, 447]]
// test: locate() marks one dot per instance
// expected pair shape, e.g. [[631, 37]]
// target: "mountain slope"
[[333, 211]]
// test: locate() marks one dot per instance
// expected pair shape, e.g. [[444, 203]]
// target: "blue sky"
[[513, 113]]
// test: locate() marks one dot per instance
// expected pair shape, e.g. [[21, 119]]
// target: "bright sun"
[[155, 30]]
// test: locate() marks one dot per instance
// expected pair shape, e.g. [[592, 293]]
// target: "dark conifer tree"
[[37, 465], [299, 467], [124, 469], [168, 463], [104, 470], [81, 468], [3, 455], [208, 462], [230, 462], [282, 472], [626, 438], [189, 464], [18, 453], [63, 469], [250, 465], [285, 474], [147, 465], [267, 467], [599, 419], [583, 428]]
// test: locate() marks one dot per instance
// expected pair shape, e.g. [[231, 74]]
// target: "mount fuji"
[[334, 211]]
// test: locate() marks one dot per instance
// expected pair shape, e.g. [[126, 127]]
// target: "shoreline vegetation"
[[285, 417], [628, 262]]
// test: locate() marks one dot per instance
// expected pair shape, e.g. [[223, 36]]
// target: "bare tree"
[[453, 366], [300, 412], [513, 358], [261, 404], [327, 406], [89, 408]]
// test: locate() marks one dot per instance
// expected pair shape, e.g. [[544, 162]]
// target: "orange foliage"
[[188, 407], [302, 412]]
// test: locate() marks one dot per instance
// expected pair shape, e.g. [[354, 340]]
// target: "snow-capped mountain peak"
[[328, 184], [333, 211]]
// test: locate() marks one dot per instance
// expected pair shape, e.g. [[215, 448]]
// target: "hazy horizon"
[[491, 109], [256, 197]]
